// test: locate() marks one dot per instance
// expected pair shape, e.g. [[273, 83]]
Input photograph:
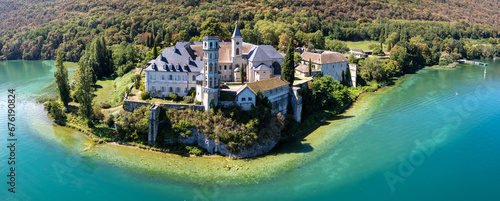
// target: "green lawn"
[[363, 45], [110, 90]]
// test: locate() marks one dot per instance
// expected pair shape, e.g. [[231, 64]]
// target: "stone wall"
[[296, 103], [132, 105], [153, 124]]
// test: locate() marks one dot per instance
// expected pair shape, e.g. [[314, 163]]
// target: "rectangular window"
[[194, 77], [243, 99], [153, 77], [162, 89], [170, 77], [249, 98], [153, 88], [185, 78], [178, 89], [162, 77], [185, 90], [178, 77], [170, 89]]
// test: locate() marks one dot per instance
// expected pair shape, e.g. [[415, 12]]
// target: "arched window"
[[211, 67], [211, 45], [210, 83], [225, 67], [237, 51]]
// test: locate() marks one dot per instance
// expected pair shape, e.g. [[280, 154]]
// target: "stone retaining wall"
[[132, 105]]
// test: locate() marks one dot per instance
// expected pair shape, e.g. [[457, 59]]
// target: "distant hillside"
[[35, 29], [26, 14]]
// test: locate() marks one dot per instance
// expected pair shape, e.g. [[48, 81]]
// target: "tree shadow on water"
[[297, 144]]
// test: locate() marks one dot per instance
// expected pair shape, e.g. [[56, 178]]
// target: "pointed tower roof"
[[236, 32]]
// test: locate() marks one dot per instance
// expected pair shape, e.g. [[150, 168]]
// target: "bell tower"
[[236, 45], [210, 72]]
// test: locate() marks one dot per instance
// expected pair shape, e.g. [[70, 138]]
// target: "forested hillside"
[[35, 29]]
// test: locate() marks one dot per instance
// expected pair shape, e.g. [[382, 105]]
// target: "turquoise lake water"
[[420, 142]]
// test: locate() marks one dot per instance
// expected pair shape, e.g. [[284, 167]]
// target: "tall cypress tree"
[[348, 77], [242, 74], [155, 51], [62, 81], [288, 71], [83, 91]]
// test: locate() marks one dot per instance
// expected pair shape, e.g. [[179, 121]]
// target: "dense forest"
[[36, 29]]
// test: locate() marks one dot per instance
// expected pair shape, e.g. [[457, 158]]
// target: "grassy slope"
[[363, 45], [110, 90]]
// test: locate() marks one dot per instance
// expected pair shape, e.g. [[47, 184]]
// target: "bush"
[[110, 121], [145, 95], [188, 99], [194, 150], [192, 92], [97, 115], [444, 60], [128, 90], [105, 105], [55, 109], [197, 102], [136, 79], [173, 96]]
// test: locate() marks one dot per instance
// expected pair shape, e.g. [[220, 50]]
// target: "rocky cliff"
[[212, 147]]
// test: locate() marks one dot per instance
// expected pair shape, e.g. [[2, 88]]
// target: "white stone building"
[[204, 65], [329, 63], [275, 89]]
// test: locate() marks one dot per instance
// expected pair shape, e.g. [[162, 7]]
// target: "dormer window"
[[178, 67], [164, 67], [171, 67]]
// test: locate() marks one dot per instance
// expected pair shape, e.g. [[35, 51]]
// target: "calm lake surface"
[[416, 141]]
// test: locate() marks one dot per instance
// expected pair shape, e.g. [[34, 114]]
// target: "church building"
[[205, 65]]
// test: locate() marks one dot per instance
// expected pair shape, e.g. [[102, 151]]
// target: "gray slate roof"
[[236, 32], [262, 67], [180, 58], [260, 53], [257, 54]]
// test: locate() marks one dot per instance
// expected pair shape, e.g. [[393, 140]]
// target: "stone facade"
[[329, 63]]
